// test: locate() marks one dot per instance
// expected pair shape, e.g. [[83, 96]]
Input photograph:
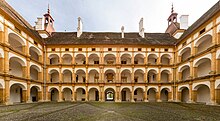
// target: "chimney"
[[184, 21], [79, 28], [39, 24], [141, 28], [122, 32]]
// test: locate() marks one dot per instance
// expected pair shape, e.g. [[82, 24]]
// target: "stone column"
[[6, 60], [158, 94], [73, 94], [7, 91], [73, 76], [159, 75], [213, 62], [195, 72], [103, 94], [145, 94], [195, 50], [60, 94], [191, 98], [212, 91], [87, 75], [24, 71], [28, 69], [132, 57], [132, 94], [132, 75], [191, 69], [1, 63], [28, 92], [87, 93]]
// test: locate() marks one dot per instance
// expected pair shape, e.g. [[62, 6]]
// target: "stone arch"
[[34, 72], [139, 59], [139, 94], [54, 59], [139, 76], [110, 76], [80, 59], [54, 94], [126, 76], [126, 58], [184, 94], [164, 94], [203, 67], [93, 94], [34, 53], [80, 76], [204, 43], [110, 94], [152, 75], [16, 66], [16, 42], [152, 59], [185, 72], [80, 94], [165, 76], [151, 94], [93, 58], [67, 76], [54, 76], [202, 93], [93, 76], [165, 59], [125, 94], [67, 94], [110, 59], [67, 59], [185, 53], [34, 94], [17, 93]]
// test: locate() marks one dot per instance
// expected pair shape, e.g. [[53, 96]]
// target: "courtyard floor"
[[109, 111]]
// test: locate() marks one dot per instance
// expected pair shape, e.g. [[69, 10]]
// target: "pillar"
[[28, 69], [132, 75], [212, 91], [7, 91], [1, 63], [132, 94], [24, 71], [28, 92], [191, 96], [213, 62], [60, 75], [158, 94], [73, 94], [145, 94], [60, 94], [87, 75], [159, 75], [87, 94], [6, 60]]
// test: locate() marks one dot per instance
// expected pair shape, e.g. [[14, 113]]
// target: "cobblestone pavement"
[[109, 111]]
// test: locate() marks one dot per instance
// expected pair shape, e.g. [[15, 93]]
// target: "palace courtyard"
[[109, 111]]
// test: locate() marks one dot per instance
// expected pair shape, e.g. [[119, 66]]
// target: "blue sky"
[[110, 15]]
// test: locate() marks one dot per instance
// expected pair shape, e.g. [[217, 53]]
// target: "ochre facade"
[[36, 69]]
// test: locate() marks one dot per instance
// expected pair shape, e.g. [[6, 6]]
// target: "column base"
[[146, 100], [29, 101], [190, 101], [211, 103], [8, 103], [159, 100], [117, 100]]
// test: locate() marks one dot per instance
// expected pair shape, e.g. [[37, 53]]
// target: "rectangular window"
[[109, 49], [35, 42], [184, 44], [139, 49], [166, 50], [80, 49], [135, 62], [152, 49], [126, 49], [202, 31], [123, 62], [53, 49], [93, 49], [96, 62], [66, 49]]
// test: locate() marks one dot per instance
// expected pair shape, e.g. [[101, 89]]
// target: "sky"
[[110, 15]]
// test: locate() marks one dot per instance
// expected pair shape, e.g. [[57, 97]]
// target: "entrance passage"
[[109, 95]]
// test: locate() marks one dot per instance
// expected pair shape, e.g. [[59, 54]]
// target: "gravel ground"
[[109, 111]]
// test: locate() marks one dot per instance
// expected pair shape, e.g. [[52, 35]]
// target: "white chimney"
[[184, 22], [122, 32], [79, 28], [141, 28], [39, 24]]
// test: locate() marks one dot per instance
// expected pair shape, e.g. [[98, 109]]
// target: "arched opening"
[[67, 59], [204, 43], [126, 59], [185, 94], [185, 70], [126, 76], [217, 90], [203, 94], [110, 59], [54, 94], [93, 76], [67, 76], [16, 42], [34, 94], [203, 67], [152, 59], [1, 93], [80, 94], [16, 67], [152, 76], [34, 72], [138, 94], [139, 59], [151, 95], [93, 59], [34, 53], [139, 76], [109, 76], [109, 94], [17, 93], [67, 94], [164, 95], [165, 59], [165, 76], [93, 94], [80, 59], [54, 59], [80, 76], [54, 76], [185, 53], [125, 94]]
